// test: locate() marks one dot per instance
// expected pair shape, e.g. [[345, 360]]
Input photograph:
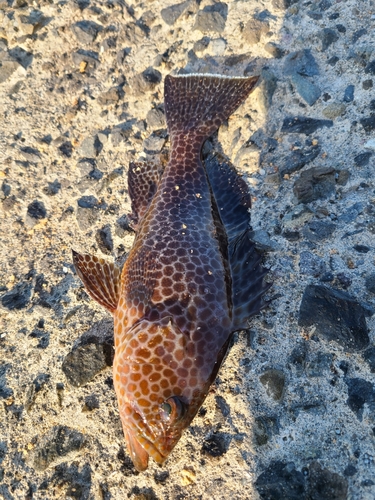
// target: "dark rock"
[[360, 391], [91, 353], [370, 283], [320, 363], [5, 392], [88, 202], [311, 264], [216, 445], [76, 482], [333, 60], [309, 92], [298, 357], [30, 154], [122, 226], [91, 403], [90, 57], [212, 18], [361, 248], [281, 481], [172, 13], [349, 93], [350, 471], [104, 239], [36, 210], [109, 43], [317, 16], [264, 428], [90, 147], [368, 123], [298, 159], [155, 119], [161, 477], [52, 188], [291, 235], [336, 316], [324, 484], [362, 160], [328, 36], [301, 62], [56, 297], [127, 466], [367, 84], [36, 386], [340, 28], [122, 55], [303, 125], [223, 406], [357, 34], [66, 149], [352, 212], [370, 68], [85, 31], [110, 97], [269, 84], [155, 142], [254, 30], [146, 81], [324, 5], [275, 51], [314, 184], [274, 383], [18, 297], [369, 356], [42, 336], [88, 211], [57, 443]]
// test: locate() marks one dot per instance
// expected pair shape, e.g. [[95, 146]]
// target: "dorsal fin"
[[143, 180], [101, 279], [233, 201], [231, 194]]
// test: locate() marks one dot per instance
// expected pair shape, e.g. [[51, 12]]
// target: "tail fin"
[[199, 104]]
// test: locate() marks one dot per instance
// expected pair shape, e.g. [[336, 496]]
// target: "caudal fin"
[[199, 104]]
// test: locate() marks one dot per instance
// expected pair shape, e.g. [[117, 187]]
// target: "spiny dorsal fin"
[[101, 279], [231, 194], [143, 180]]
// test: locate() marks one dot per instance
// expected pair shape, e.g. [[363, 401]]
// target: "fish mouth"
[[140, 449]]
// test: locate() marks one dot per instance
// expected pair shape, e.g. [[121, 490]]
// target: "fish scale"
[[192, 277]]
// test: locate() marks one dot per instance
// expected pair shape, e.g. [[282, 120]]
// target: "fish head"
[[157, 393]]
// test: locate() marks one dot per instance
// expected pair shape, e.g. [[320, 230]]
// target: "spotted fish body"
[[192, 277]]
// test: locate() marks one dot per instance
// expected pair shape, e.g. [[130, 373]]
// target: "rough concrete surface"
[[292, 412]]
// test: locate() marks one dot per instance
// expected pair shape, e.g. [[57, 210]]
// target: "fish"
[[192, 277]]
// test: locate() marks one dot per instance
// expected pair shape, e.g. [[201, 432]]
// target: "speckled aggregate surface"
[[291, 414]]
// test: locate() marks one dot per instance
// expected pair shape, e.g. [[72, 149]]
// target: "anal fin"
[[143, 180], [231, 194], [248, 285], [101, 279]]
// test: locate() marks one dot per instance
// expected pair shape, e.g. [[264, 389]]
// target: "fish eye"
[[172, 409]]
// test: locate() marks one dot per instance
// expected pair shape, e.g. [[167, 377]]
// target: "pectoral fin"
[[101, 279]]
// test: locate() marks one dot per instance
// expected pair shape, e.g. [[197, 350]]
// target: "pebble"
[[85, 31], [30, 154], [172, 13], [88, 211], [104, 240], [349, 94], [279, 481], [91, 353], [28, 24], [110, 97], [360, 392], [57, 443], [254, 30], [309, 92], [301, 62], [155, 119], [324, 484], [319, 364], [336, 315], [265, 427], [362, 160], [298, 159], [216, 445], [328, 36], [311, 264], [369, 356], [297, 216], [89, 57], [314, 184], [5, 391], [303, 125], [36, 386], [154, 143], [90, 147], [334, 110], [145, 81], [212, 18], [8, 67], [274, 383], [91, 403], [367, 84], [368, 123]]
